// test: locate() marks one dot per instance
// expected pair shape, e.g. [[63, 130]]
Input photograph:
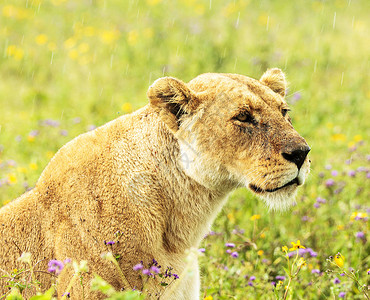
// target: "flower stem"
[[287, 288]]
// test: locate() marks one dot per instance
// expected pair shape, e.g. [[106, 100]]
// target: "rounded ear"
[[275, 80], [174, 99]]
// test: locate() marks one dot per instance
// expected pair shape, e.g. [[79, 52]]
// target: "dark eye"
[[284, 111], [245, 118]]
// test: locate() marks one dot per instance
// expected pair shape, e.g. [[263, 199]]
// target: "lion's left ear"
[[174, 98], [275, 80]]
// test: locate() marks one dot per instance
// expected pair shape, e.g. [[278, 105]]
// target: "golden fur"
[[160, 176]]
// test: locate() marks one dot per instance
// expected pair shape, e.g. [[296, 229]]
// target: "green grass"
[[94, 60]]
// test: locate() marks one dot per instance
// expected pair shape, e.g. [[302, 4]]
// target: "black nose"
[[297, 156]]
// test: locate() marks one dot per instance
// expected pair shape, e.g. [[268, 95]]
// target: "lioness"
[[159, 176]]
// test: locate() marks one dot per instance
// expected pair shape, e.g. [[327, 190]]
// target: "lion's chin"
[[280, 200]]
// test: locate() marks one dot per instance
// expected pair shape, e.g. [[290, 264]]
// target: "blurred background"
[[69, 66]]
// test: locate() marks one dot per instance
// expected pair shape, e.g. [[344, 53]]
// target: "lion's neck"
[[191, 207]]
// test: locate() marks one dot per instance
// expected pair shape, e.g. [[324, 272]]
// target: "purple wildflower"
[[280, 278], [202, 250], [34, 133], [230, 245], [342, 274], [137, 267], [336, 280], [55, 266], [352, 173], [68, 295], [297, 96], [234, 254], [250, 283], [154, 269], [315, 271], [368, 175], [273, 283], [252, 278], [328, 167], [175, 276], [330, 182], [77, 120], [342, 295], [147, 272], [316, 205], [368, 272], [63, 132], [360, 235], [320, 200], [305, 218], [334, 173], [50, 122], [109, 242], [91, 127]]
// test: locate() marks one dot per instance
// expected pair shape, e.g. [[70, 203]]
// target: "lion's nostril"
[[297, 156]]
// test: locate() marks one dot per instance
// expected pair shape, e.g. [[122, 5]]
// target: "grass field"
[[68, 66]]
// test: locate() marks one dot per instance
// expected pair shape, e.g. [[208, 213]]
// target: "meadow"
[[70, 66]]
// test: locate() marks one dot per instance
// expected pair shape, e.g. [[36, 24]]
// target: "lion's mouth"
[[257, 189]]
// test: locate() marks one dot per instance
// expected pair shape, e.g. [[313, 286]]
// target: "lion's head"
[[235, 131]]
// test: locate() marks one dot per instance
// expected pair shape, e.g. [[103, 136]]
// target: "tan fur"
[[160, 176]]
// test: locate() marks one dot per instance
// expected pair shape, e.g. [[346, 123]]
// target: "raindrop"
[[335, 16], [353, 21], [315, 66], [237, 20], [52, 57], [236, 60], [341, 81], [210, 4], [267, 23]]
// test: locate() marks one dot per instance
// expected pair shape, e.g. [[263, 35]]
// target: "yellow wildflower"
[[208, 298], [52, 46], [69, 43], [285, 249], [109, 36], [296, 246], [262, 235], [338, 137], [6, 201], [339, 260], [340, 227], [301, 262], [49, 154], [357, 138], [127, 107], [153, 2], [132, 37], [260, 252], [31, 138], [73, 54], [255, 217], [21, 170], [41, 39], [231, 217], [12, 179], [15, 52], [83, 48], [33, 166]]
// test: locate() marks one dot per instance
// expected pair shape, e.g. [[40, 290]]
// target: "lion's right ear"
[[174, 99]]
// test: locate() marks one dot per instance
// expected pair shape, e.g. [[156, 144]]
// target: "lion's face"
[[236, 131]]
